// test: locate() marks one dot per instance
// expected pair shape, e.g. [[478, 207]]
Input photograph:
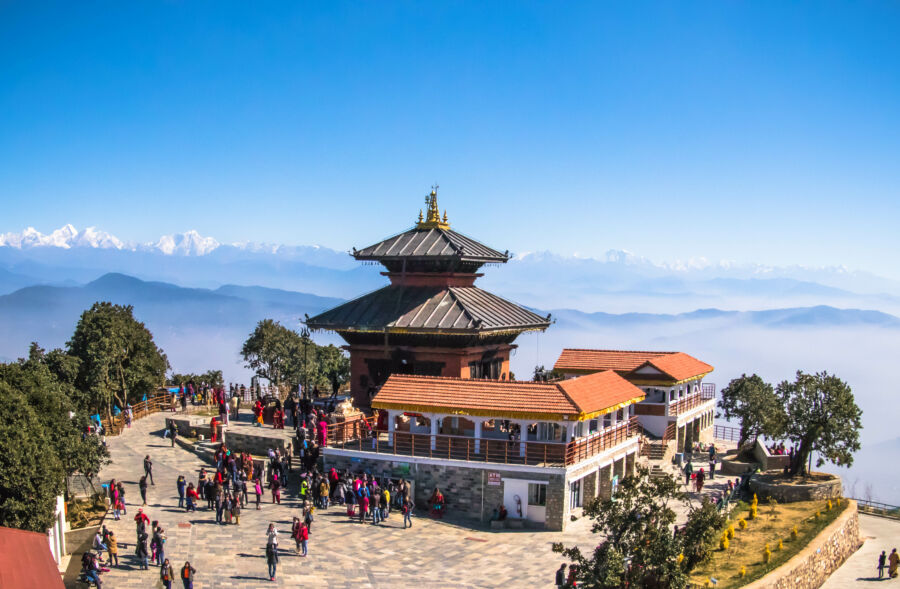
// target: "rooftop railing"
[[361, 435]]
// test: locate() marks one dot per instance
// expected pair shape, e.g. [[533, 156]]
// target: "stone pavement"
[[341, 553], [860, 569]]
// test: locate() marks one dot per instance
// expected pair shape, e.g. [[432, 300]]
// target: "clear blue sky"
[[755, 131]]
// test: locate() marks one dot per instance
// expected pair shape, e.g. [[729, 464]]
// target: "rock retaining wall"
[[814, 491], [812, 566]]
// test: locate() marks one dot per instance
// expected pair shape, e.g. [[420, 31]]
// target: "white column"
[[523, 437], [478, 423], [570, 431], [614, 419], [434, 430], [391, 418]]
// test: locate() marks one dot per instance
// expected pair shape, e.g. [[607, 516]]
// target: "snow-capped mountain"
[[65, 237], [189, 243]]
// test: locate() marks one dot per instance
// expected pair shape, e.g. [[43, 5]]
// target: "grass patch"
[[773, 523], [82, 513]]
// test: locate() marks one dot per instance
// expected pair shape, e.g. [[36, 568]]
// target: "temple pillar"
[[604, 482], [629, 464]]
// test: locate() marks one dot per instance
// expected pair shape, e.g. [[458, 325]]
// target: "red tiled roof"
[[680, 366], [25, 560], [503, 398], [596, 360], [600, 390], [676, 365]]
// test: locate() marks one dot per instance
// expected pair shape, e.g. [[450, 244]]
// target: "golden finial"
[[433, 217], [421, 218]]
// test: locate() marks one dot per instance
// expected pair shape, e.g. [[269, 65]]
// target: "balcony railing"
[[691, 401], [361, 436]]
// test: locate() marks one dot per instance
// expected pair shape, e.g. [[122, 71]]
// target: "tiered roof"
[[429, 309], [577, 399], [670, 366]]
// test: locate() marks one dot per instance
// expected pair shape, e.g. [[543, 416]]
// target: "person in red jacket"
[[192, 497], [258, 412], [304, 537]]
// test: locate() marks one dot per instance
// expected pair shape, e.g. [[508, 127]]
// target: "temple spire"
[[433, 217]]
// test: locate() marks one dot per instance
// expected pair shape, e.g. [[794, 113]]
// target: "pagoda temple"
[[431, 319]]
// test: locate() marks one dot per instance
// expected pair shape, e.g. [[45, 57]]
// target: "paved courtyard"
[[341, 553]]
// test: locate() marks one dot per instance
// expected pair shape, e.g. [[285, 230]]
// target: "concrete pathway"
[[860, 570]]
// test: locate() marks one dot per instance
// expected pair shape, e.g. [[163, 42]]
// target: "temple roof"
[[429, 309], [431, 243], [579, 398], [675, 366]]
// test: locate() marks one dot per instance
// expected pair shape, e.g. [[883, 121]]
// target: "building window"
[[537, 494], [575, 494]]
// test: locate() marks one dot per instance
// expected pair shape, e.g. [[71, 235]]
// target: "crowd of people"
[[236, 480]]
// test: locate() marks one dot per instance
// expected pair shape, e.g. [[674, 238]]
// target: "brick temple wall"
[[466, 488]]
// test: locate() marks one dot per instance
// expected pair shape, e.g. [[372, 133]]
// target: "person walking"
[[272, 559], [187, 575], [173, 432], [561, 576], [688, 471], [166, 574], [258, 487], [295, 533], [882, 561], [701, 478], [272, 535], [893, 562], [142, 485], [148, 469]]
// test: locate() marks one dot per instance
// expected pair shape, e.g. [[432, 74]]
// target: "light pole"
[[304, 335]]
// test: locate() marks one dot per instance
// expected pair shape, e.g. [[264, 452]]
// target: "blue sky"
[[756, 131]]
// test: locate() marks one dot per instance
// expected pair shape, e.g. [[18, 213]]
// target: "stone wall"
[[814, 564], [466, 489], [186, 425], [768, 460], [814, 491], [254, 443]]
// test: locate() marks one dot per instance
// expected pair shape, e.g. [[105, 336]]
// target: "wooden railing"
[[360, 435], [690, 402], [583, 448], [161, 402]]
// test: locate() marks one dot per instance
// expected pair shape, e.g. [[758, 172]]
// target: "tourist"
[[121, 492], [295, 533], [236, 510], [561, 576], [160, 537], [437, 503], [173, 432], [893, 561], [259, 491], [90, 569], [187, 575], [272, 559], [363, 504], [181, 485], [141, 520], [183, 399], [304, 538], [407, 512], [148, 468], [275, 485], [118, 508], [142, 485], [99, 545], [272, 535], [688, 471], [112, 549], [142, 552], [192, 497], [166, 574], [882, 559], [698, 483]]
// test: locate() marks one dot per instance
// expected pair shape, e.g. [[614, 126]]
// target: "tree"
[[211, 377], [119, 361], [52, 401], [638, 549], [333, 366], [31, 474], [822, 415], [700, 533], [273, 352], [753, 402], [283, 356]]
